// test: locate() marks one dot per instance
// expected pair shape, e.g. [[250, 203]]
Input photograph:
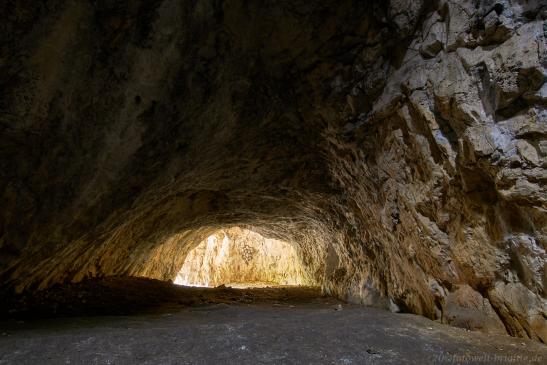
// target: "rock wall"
[[401, 144], [240, 256], [453, 167]]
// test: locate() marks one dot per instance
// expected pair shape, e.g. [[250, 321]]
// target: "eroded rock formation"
[[241, 258], [401, 144]]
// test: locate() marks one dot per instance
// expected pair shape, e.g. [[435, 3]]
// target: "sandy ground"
[[229, 326]]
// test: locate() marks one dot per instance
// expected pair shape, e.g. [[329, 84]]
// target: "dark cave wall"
[[170, 115]]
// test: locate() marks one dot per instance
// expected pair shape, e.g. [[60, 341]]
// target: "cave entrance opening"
[[241, 258]]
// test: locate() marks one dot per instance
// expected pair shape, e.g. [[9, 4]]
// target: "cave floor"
[[152, 322]]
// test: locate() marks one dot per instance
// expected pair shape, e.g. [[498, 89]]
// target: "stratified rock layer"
[[401, 144]]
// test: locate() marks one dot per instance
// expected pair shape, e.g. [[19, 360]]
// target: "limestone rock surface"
[[400, 144], [240, 257]]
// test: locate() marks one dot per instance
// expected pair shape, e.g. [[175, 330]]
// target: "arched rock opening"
[[242, 258], [400, 143]]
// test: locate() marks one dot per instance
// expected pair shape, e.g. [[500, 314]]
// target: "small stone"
[[528, 152], [433, 43]]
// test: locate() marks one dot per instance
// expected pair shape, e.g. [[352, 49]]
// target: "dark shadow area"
[[133, 295]]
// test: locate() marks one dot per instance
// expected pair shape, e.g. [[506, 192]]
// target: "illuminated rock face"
[[240, 256], [399, 144]]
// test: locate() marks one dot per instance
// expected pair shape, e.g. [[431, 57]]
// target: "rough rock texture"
[[453, 147], [238, 256], [400, 144]]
